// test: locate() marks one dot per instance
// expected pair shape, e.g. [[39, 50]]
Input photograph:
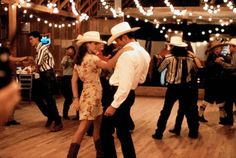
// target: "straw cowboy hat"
[[215, 44], [78, 38], [177, 41], [90, 36], [120, 29], [232, 42]]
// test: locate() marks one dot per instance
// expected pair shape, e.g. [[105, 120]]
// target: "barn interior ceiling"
[[175, 14], [163, 11]]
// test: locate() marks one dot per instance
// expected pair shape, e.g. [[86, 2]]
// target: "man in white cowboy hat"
[[230, 76], [131, 69], [179, 76]]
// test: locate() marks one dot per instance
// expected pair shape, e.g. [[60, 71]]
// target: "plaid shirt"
[[174, 68]]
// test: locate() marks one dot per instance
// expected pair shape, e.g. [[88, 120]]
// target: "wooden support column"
[[12, 28], [118, 5]]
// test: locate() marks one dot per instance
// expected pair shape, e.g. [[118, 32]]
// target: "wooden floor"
[[32, 140]]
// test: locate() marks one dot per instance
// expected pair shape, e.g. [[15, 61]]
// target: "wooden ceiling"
[[93, 8]]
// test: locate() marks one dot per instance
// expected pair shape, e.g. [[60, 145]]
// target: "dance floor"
[[32, 140]]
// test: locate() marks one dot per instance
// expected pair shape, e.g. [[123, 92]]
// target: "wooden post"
[[117, 5], [12, 28]]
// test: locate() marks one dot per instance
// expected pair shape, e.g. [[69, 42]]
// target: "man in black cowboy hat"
[[214, 88], [230, 84]]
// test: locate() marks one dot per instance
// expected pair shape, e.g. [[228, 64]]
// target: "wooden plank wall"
[[61, 38]]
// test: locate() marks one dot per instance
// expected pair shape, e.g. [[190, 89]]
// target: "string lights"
[[83, 16], [230, 5], [115, 13], [149, 12], [210, 8], [47, 22], [176, 12]]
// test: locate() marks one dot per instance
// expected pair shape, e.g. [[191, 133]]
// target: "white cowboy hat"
[[78, 38], [120, 29], [177, 41], [90, 36], [232, 42]]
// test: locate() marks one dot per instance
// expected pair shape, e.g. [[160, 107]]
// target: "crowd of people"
[[102, 88]]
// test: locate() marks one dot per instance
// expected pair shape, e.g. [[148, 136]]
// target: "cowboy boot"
[[73, 151], [98, 146]]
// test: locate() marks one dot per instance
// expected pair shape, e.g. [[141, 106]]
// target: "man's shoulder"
[[168, 56]]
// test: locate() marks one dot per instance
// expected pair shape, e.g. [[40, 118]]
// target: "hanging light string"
[[115, 13], [210, 8], [230, 5], [83, 16], [47, 22], [149, 12], [176, 12], [53, 7]]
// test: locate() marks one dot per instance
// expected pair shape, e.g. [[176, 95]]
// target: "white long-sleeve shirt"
[[130, 70]]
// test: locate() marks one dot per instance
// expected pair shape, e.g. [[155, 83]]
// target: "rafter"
[[125, 3], [83, 5], [54, 1], [38, 1], [90, 6], [63, 4], [41, 8], [130, 3]]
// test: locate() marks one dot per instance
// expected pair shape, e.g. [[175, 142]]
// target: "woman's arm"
[[74, 85], [112, 62], [17, 59]]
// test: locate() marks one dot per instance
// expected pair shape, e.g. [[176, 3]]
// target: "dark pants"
[[230, 98], [181, 112], [185, 94], [67, 93], [43, 90], [120, 121]]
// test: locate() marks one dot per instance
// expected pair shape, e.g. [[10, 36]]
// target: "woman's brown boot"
[[73, 151]]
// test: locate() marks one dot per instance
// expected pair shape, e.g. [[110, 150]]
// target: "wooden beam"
[[164, 12], [130, 3], [63, 4], [90, 6], [125, 3], [83, 5], [42, 9], [40, 2], [54, 1]]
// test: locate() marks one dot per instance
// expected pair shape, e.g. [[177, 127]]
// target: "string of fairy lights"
[[117, 12]]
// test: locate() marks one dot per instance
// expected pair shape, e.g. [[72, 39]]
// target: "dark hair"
[[179, 51], [189, 47], [35, 34], [129, 34], [71, 47], [80, 54]]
